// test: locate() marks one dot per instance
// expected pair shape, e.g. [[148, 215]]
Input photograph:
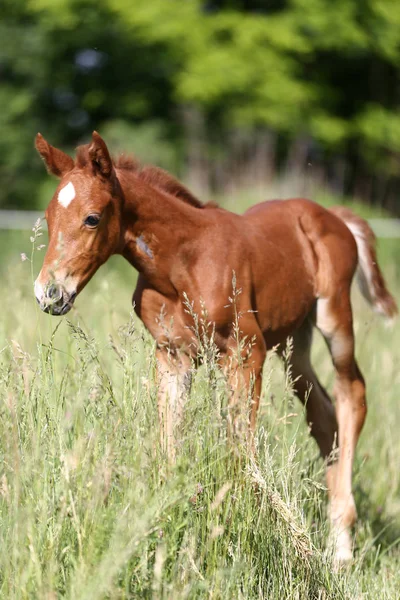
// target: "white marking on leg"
[[340, 342], [66, 195], [324, 321], [174, 386], [168, 407]]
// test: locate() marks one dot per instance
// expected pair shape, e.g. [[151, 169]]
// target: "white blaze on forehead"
[[66, 195]]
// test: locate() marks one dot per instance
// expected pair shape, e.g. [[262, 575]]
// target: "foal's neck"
[[156, 227]]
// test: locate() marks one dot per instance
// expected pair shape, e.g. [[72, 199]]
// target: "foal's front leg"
[[174, 380], [244, 374]]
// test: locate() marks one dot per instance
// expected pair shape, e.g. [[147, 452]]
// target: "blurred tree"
[[322, 78], [22, 69], [67, 68]]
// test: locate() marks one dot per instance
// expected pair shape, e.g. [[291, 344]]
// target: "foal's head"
[[84, 222]]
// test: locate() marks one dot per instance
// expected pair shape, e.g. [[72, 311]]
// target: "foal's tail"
[[369, 275]]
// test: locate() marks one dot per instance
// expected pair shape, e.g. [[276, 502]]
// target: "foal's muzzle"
[[56, 300]]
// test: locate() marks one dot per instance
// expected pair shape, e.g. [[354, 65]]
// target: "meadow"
[[89, 508]]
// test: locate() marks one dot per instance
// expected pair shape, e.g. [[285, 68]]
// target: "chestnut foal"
[[293, 260]]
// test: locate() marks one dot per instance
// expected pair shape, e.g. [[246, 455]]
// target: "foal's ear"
[[57, 162], [99, 155]]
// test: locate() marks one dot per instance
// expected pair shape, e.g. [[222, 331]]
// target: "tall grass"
[[90, 509]]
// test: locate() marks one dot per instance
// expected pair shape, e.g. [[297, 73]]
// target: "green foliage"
[[325, 70], [147, 141], [380, 131]]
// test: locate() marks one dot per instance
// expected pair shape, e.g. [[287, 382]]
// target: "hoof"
[[343, 557], [341, 545]]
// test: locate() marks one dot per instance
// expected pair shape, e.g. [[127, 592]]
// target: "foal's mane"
[[153, 176], [158, 178]]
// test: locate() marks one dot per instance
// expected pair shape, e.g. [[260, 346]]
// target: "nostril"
[[53, 292]]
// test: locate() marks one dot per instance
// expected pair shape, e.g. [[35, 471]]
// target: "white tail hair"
[[369, 274]]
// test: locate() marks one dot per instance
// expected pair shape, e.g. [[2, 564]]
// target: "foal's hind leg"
[[334, 320], [320, 412]]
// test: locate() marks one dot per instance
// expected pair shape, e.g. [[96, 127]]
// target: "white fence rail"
[[386, 228], [19, 219]]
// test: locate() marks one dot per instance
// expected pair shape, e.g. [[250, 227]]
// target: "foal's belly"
[[281, 308]]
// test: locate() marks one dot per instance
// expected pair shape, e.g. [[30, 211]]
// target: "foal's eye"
[[92, 221]]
